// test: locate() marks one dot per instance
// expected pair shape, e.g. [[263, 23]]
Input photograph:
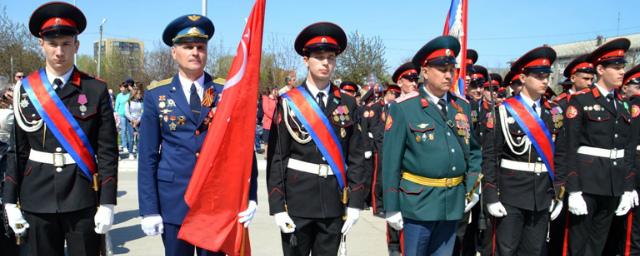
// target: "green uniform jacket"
[[417, 139]]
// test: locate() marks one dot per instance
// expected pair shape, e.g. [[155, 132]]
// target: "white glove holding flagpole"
[[152, 224], [16, 221], [497, 209]]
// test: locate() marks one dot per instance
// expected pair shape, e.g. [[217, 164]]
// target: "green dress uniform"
[[419, 141]]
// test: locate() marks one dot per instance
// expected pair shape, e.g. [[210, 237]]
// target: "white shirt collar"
[[603, 91], [314, 92], [186, 86], [64, 78], [433, 98], [530, 102]]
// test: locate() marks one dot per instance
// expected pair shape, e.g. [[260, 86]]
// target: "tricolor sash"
[[534, 128], [60, 121], [317, 124]]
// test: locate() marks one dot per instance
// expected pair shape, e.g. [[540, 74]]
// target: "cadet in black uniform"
[[579, 73], [310, 190], [631, 236], [600, 150], [63, 172], [518, 161]]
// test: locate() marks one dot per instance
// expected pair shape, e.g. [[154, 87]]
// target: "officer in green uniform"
[[430, 160]]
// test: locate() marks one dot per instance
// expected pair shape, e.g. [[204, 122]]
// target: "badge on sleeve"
[[635, 111], [572, 112], [388, 123]]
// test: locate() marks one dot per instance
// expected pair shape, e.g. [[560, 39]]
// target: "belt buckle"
[[58, 159], [537, 168], [448, 182], [323, 170]]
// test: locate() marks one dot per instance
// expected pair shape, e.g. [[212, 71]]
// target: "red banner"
[[219, 187]]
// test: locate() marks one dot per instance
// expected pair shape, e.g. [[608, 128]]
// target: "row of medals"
[[165, 105], [341, 115], [24, 103]]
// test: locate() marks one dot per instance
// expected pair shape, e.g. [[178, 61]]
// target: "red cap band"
[[477, 75], [349, 88], [636, 75], [618, 53], [537, 63], [437, 54], [58, 22], [321, 40], [581, 65], [408, 72]]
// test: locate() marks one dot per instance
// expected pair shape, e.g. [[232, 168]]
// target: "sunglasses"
[[411, 77], [19, 76]]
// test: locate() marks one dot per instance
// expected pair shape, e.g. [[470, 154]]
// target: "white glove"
[[470, 204], [634, 198], [555, 208], [152, 224], [352, 217], [103, 218], [15, 219], [284, 222], [497, 209], [247, 215], [626, 200], [367, 154], [577, 205], [395, 220]]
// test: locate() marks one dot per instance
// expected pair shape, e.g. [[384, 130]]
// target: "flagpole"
[[463, 67]]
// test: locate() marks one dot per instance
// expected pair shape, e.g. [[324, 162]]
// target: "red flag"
[[456, 25], [219, 187]]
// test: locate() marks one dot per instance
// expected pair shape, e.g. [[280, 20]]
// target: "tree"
[[363, 56], [158, 63], [19, 49]]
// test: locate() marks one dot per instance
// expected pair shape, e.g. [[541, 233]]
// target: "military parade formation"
[[509, 168]]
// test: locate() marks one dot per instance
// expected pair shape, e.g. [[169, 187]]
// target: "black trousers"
[[315, 236], [632, 241], [557, 231], [588, 233], [8, 244], [521, 232], [48, 232]]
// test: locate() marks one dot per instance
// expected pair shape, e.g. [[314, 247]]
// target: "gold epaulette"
[[157, 84]]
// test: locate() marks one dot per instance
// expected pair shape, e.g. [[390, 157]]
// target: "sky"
[[500, 30]]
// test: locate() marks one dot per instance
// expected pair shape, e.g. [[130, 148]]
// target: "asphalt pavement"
[[367, 237]]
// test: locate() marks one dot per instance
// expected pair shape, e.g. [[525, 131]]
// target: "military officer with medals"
[[580, 73], [430, 160], [60, 185], [173, 127], [600, 147], [315, 177], [518, 164]]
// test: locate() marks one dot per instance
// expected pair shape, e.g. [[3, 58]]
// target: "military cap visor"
[[191, 28], [393, 88], [406, 70], [632, 76], [611, 52], [321, 36], [57, 18], [579, 64], [440, 51], [480, 73], [538, 60]]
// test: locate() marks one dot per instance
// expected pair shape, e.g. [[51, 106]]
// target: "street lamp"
[[100, 46]]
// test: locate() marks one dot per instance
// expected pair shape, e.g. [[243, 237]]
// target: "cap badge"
[[324, 40], [194, 17], [194, 31], [447, 52], [58, 21]]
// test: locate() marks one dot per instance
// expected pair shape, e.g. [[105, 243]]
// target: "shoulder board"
[[159, 84], [561, 96], [583, 91]]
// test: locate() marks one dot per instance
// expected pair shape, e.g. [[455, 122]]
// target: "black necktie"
[[57, 85], [320, 100], [611, 100], [194, 101], [443, 106], [535, 108]]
